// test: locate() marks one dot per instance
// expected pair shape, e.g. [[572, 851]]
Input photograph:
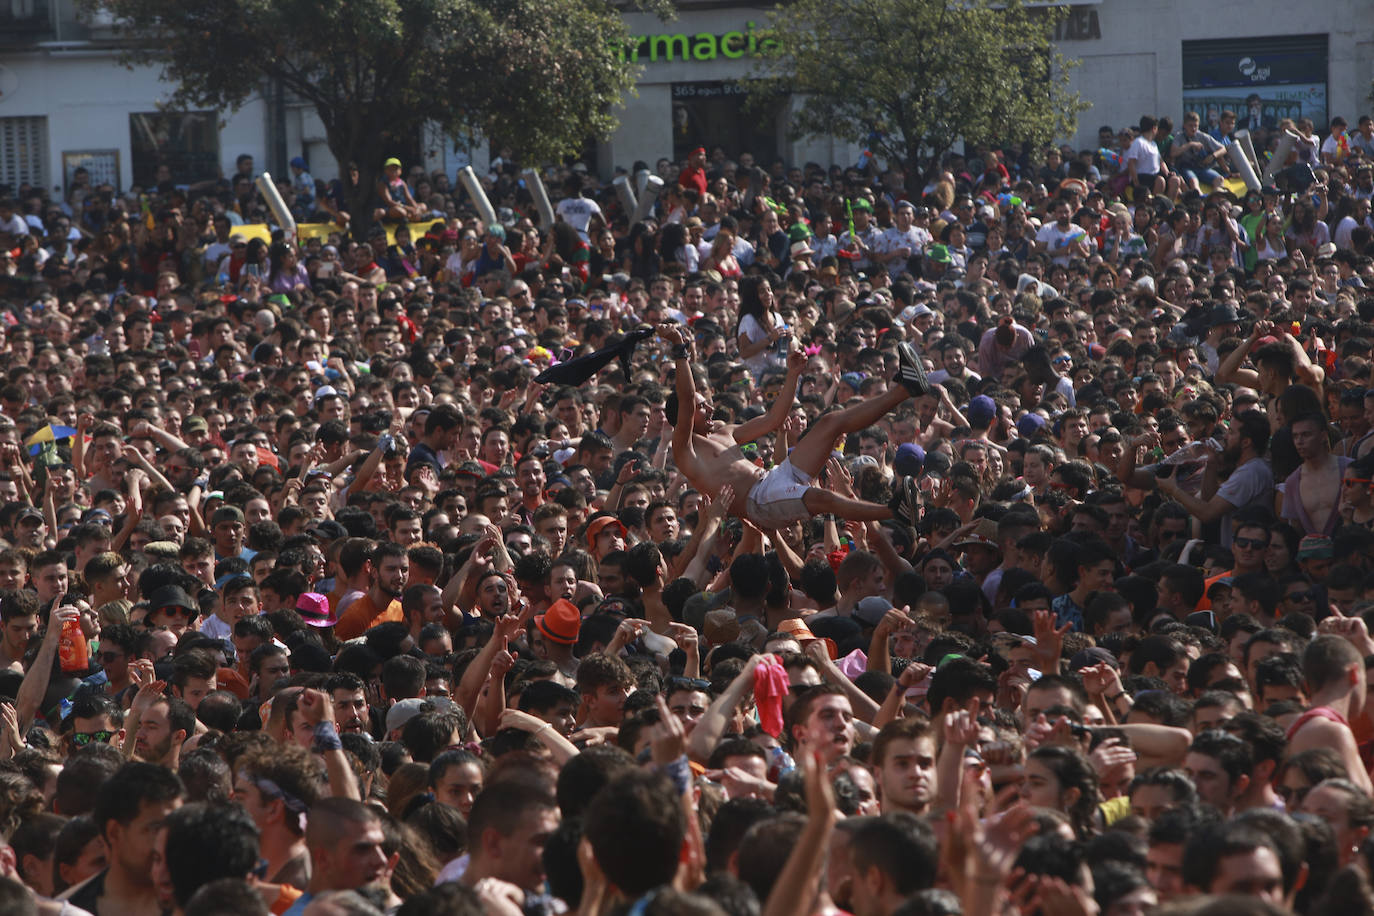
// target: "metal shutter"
[[24, 151]]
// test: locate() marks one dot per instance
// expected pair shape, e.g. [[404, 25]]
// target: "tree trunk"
[[356, 144]]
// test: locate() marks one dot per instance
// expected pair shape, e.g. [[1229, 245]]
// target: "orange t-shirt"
[[230, 680], [286, 895], [362, 615], [1205, 603]]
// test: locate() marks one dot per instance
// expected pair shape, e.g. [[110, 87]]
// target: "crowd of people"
[[812, 545]]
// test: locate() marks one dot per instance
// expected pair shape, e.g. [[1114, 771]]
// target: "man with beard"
[[382, 600], [493, 595], [1249, 483], [1061, 239], [160, 726], [351, 710], [127, 811]]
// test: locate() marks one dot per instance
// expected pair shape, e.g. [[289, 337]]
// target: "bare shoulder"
[[1319, 732]]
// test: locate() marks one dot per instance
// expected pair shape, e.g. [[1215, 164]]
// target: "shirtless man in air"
[[708, 452]]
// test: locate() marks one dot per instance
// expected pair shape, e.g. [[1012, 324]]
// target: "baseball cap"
[[392, 161], [981, 409], [870, 610], [404, 710], [911, 458], [194, 424], [1030, 424], [226, 514]]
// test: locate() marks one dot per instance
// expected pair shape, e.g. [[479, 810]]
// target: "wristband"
[[326, 738], [680, 772], [680, 351], [1116, 696]]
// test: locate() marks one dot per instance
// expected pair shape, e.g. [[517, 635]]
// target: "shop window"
[[712, 114], [180, 147]]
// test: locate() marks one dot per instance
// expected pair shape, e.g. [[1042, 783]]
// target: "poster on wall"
[[1262, 80], [102, 165]]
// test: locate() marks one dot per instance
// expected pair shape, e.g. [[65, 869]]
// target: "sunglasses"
[[1251, 543], [178, 611], [81, 739], [107, 658], [687, 683], [1309, 595], [1356, 481]]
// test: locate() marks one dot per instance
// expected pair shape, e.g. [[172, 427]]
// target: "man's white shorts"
[[777, 499]]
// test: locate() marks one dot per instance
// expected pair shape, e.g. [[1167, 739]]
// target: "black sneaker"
[[911, 375], [906, 502]]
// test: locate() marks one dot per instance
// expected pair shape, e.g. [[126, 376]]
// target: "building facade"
[[65, 102]]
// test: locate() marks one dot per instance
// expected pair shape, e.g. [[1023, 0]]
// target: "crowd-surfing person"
[[810, 546]]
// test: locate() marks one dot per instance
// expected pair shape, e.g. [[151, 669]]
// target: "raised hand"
[[913, 674], [997, 841], [1110, 759], [820, 794], [1352, 629], [961, 727], [1049, 641], [1101, 680], [514, 718], [685, 636], [316, 706], [147, 695], [895, 620], [667, 738], [720, 506]]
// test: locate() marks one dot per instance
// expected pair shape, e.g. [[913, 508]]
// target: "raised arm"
[[35, 683], [782, 404], [1230, 369], [712, 724], [686, 389]]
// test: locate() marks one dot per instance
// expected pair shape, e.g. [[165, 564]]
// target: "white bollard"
[[628, 203], [648, 198], [535, 185], [268, 189], [479, 197], [1280, 157], [1242, 162]]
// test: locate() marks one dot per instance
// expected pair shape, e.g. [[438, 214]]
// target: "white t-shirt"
[[578, 212], [753, 330], [1052, 237], [1146, 156], [15, 225]]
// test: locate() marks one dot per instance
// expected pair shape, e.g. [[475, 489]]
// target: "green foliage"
[[909, 78], [537, 75]]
